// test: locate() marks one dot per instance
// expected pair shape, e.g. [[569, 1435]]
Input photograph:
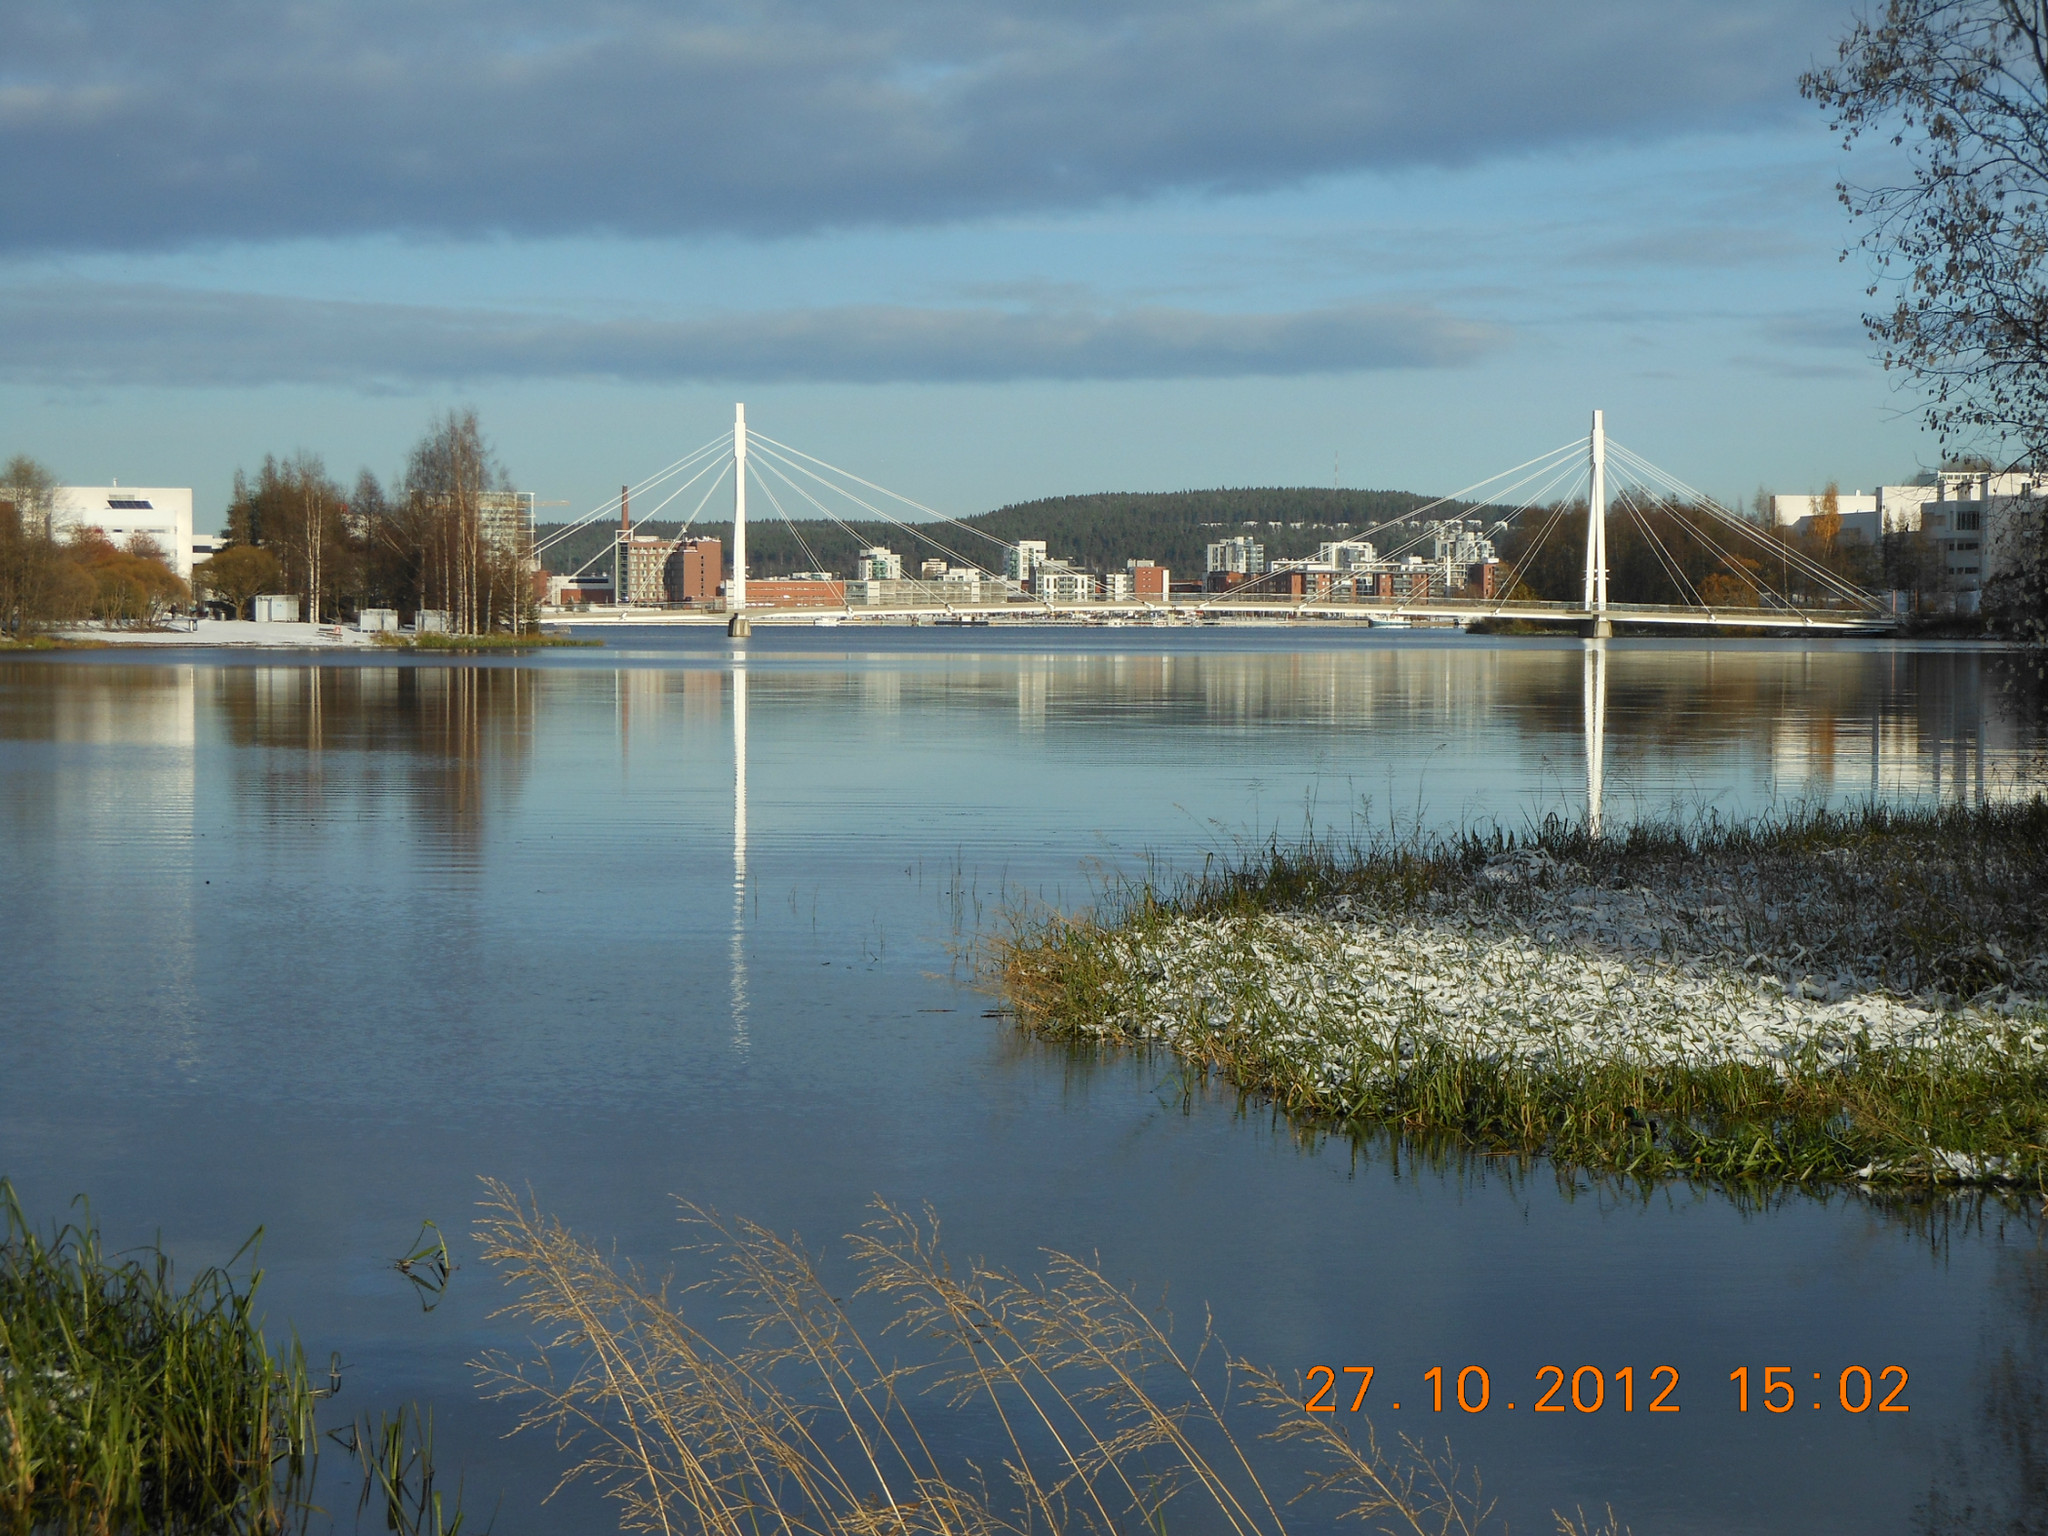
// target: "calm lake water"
[[315, 946]]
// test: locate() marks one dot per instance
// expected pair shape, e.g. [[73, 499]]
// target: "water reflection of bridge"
[[1535, 496]]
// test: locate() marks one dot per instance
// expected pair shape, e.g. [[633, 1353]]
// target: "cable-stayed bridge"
[[1590, 479]]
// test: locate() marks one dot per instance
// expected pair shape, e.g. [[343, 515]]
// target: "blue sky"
[[978, 252]]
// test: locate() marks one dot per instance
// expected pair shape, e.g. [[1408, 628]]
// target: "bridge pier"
[[1601, 628], [739, 626]]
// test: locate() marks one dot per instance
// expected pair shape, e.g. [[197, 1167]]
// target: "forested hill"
[[1098, 532]]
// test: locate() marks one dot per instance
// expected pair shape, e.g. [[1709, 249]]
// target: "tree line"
[[428, 541], [437, 538]]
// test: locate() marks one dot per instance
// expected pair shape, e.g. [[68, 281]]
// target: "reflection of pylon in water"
[[739, 854], [1595, 712]]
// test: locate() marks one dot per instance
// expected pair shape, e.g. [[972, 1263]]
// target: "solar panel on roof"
[[128, 505]]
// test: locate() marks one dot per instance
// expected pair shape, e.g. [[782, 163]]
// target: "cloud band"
[[94, 334]]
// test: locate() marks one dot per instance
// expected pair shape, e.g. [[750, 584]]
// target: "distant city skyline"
[[980, 254]]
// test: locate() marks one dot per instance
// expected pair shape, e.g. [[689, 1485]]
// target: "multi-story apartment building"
[[1058, 582], [1240, 556], [640, 569], [877, 563], [1022, 559], [697, 569], [505, 519], [1148, 580]]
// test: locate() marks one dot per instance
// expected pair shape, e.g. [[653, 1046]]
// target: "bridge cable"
[[672, 495], [882, 489], [769, 491], [1732, 562], [1518, 570], [912, 529], [1632, 506], [858, 538], [1812, 569], [563, 530], [1714, 513]]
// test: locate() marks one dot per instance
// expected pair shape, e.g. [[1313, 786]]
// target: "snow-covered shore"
[[1584, 981], [231, 633]]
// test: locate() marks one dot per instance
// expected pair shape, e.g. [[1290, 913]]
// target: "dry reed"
[[779, 1413]]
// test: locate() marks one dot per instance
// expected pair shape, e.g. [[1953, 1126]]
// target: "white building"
[[1898, 508], [1956, 529], [960, 584], [505, 519], [1460, 542], [1977, 534], [1348, 555], [1022, 559], [876, 563], [1964, 514], [1240, 556], [1058, 582], [1116, 586], [162, 513]]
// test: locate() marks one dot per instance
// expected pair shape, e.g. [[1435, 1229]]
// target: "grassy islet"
[[1822, 995]]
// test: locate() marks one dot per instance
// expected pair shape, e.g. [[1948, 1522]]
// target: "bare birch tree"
[[1959, 244], [450, 471]]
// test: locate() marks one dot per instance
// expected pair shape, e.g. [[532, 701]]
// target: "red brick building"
[[696, 570]]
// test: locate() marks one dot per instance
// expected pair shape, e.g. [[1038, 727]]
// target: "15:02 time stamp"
[[1593, 1389]]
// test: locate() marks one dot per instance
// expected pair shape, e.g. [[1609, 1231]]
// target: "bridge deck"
[[1218, 609]]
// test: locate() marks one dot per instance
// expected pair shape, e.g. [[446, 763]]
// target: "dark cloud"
[[1827, 331], [134, 124], [94, 334]]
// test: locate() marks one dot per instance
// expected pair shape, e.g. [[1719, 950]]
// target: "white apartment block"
[[1348, 555], [1240, 556], [1966, 514], [1460, 541], [1022, 559], [122, 512], [875, 563], [960, 584], [1060, 583]]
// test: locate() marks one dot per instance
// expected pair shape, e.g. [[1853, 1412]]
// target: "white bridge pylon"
[[1673, 524], [1596, 524], [736, 584]]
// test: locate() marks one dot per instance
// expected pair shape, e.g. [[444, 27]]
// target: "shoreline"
[[248, 635]]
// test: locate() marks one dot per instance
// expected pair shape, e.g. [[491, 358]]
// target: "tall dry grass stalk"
[[802, 1424]]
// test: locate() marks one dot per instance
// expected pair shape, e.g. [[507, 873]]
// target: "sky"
[[979, 251]]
